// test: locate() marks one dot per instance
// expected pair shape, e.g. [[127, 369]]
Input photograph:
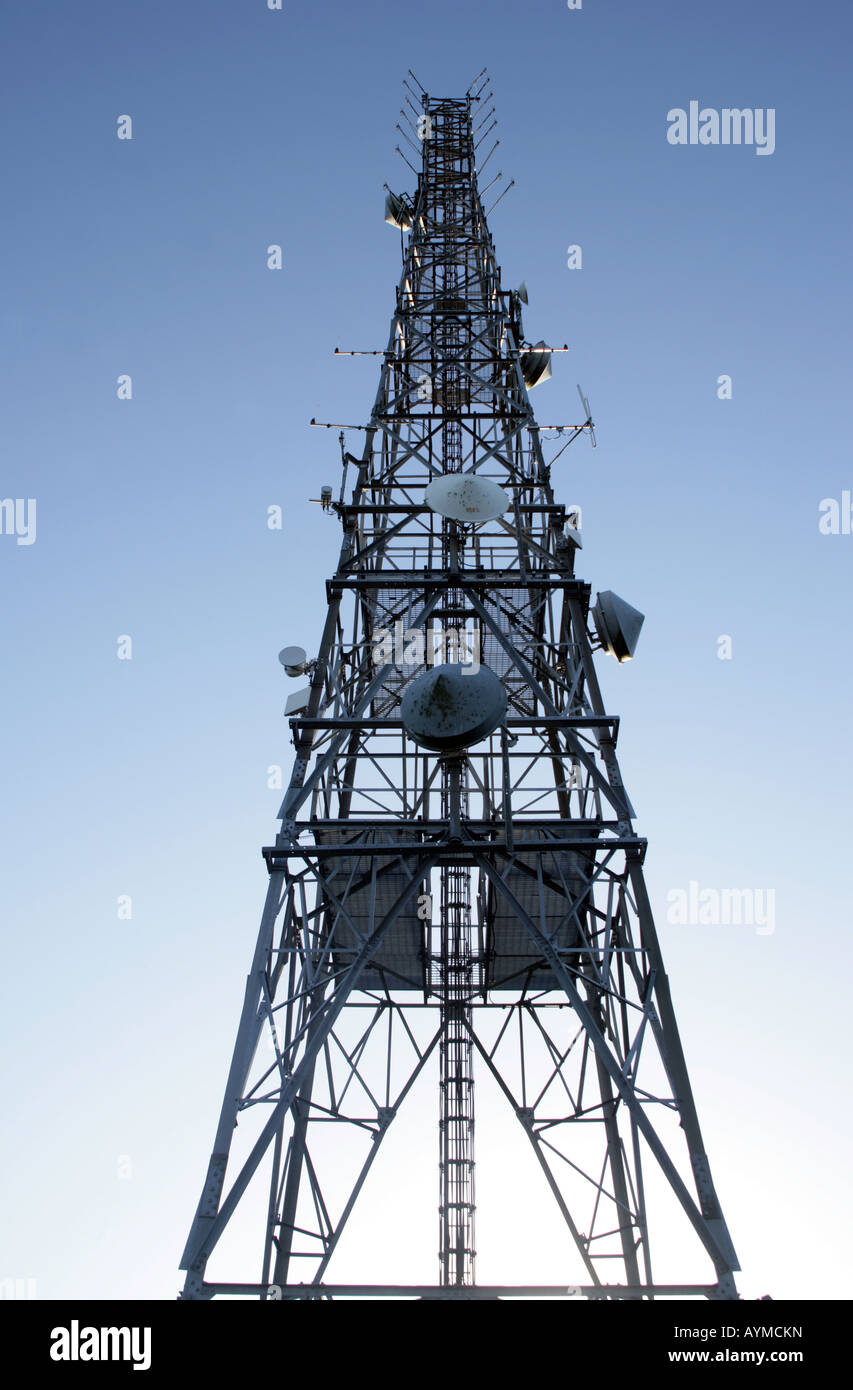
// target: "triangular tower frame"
[[489, 906]]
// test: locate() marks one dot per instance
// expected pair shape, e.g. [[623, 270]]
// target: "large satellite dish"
[[448, 708], [617, 624], [465, 497]]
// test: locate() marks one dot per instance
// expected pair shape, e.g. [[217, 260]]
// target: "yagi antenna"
[[588, 416], [498, 175], [510, 185], [476, 80], [479, 142], [488, 157], [398, 151], [405, 137]]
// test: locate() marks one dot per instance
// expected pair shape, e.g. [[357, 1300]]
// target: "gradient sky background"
[[149, 777]]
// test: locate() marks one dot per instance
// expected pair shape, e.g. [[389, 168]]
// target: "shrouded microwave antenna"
[[294, 660], [397, 213], [617, 624], [536, 364]]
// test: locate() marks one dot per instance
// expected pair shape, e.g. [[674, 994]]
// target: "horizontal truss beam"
[[288, 1292], [470, 579], [275, 855], [534, 722]]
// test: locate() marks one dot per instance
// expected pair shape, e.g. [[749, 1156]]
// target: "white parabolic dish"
[[293, 660], [465, 497], [448, 708]]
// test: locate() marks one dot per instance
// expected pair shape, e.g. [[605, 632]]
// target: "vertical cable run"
[[449, 168]]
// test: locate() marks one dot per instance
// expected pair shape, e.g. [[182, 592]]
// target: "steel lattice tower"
[[483, 908]]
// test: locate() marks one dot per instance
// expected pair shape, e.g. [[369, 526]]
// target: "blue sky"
[[149, 777]]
